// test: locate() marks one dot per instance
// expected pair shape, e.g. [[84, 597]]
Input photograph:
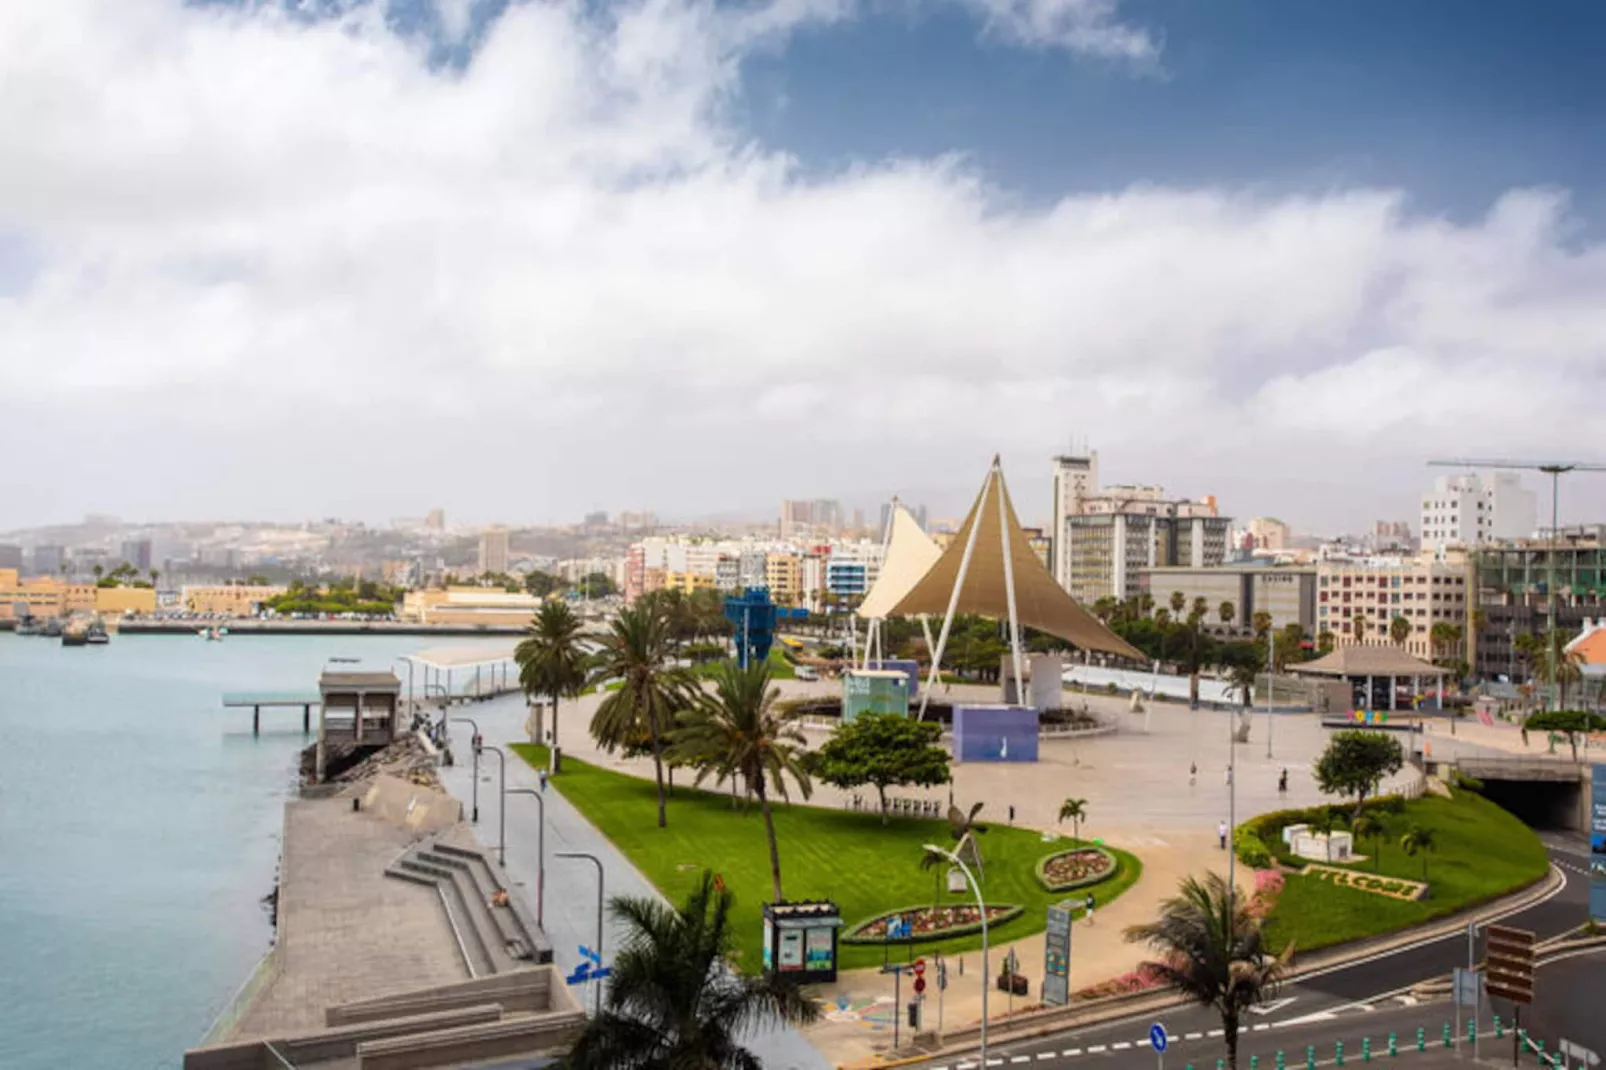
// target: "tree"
[[1355, 763], [1074, 811], [1105, 608], [1326, 822], [735, 730], [1325, 642], [541, 584], [1561, 667], [551, 660], [1399, 631], [1571, 723], [1213, 952], [1358, 627], [885, 750], [1261, 623], [1226, 611], [1366, 827], [598, 585], [673, 1001], [964, 830], [97, 570], [1442, 635], [154, 576], [1418, 840], [1179, 601], [636, 650]]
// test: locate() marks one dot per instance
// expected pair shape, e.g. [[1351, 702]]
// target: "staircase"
[[494, 939]]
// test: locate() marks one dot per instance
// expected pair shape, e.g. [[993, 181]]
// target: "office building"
[[1268, 533], [1357, 602], [435, 520], [783, 575], [493, 550], [11, 556], [1076, 478], [47, 559], [1288, 593], [1513, 584], [136, 552], [1471, 509]]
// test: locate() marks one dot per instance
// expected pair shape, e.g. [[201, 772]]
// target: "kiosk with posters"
[[800, 940]]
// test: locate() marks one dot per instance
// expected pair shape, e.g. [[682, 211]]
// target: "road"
[[1367, 998]]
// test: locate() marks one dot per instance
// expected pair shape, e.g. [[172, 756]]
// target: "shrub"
[[1249, 847], [1266, 831]]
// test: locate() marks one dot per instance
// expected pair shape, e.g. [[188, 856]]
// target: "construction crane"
[[1555, 470]]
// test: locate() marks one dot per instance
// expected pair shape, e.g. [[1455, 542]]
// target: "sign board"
[[1579, 1054], [1157, 1038], [1467, 986], [1057, 957], [800, 940], [1597, 843], [1509, 963]]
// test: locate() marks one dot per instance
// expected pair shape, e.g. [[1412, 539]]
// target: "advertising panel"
[[1597, 843], [791, 949], [820, 951], [1057, 957], [995, 733]]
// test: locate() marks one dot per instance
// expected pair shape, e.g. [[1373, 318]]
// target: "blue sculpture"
[[753, 616]]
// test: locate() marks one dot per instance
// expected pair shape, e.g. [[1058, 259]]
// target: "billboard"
[[874, 691], [995, 734], [1597, 843], [1057, 957]]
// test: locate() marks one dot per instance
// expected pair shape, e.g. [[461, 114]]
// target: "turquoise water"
[[139, 831]]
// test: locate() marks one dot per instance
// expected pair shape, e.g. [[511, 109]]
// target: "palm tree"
[[1226, 611], [1212, 951], [1326, 822], [1366, 827], [154, 574], [1399, 631], [1418, 839], [737, 731], [1261, 623], [1179, 601], [1561, 667], [551, 660], [636, 649], [1325, 642], [1105, 608], [1358, 627], [1074, 811], [673, 1001], [1441, 635]]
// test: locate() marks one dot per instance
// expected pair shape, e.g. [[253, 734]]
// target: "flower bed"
[[1076, 868], [929, 923]]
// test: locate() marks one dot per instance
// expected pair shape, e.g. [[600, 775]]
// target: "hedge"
[[852, 936], [1259, 841], [1080, 882]]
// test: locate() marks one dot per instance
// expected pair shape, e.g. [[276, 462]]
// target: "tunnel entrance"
[[1546, 805]]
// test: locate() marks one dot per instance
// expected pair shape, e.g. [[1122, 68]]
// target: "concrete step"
[[479, 914]]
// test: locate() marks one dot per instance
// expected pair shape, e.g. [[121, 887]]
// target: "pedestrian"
[[1282, 782], [1221, 834], [1089, 908], [1525, 737], [540, 775], [1193, 773], [1011, 813], [1229, 776]]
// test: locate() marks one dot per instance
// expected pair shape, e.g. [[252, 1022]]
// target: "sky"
[[524, 260]]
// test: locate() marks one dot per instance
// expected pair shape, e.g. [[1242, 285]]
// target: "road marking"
[[1274, 1006], [1262, 1027], [1043, 1056], [962, 1066], [1216, 1033], [1071, 1053], [1020, 1058], [1192, 1036], [1319, 1016], [995, 1062], [1095, 1049]]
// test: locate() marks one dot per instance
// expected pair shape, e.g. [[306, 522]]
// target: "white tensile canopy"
[[907, 554], [990, 569]]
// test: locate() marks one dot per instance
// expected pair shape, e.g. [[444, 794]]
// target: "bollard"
[[1447, 1034], [1310, 1058], [1254, 1062], [1498, 1031], [1366, 1049], [1472, 1030], [1394, 1047], [1280, 1064], [1421, 1039], [1338, 1054], [1221, 1064]]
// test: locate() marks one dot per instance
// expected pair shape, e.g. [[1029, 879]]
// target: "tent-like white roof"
[[1040, 602], [910, 555]]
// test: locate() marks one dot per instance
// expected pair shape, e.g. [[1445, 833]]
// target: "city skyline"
[[645, 256]]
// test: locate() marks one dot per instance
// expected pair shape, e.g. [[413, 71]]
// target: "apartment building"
[[493, 550], [1368, 595], [1513, 593], [1472, 509], [50, 596], [1288, 593], [227, 600], [783, 575]]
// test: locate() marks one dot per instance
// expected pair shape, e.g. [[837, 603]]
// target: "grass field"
[[1481, 852], [839, 855]]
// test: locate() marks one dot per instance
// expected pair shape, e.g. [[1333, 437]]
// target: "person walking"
[[1011, 813], [1282, 782], [1193, 773], [1088, 906], [1221, 834]]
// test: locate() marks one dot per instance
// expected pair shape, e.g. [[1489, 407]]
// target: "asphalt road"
[[1348, 1003]]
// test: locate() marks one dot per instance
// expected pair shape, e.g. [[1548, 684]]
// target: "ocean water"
[[139, 832]]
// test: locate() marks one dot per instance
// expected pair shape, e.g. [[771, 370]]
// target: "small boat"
[[52, 628], [75, 634], [28, 626], [96, 634], [213, 635]]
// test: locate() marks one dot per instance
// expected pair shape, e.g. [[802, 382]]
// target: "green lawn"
[[1481, 852], [829, 854]]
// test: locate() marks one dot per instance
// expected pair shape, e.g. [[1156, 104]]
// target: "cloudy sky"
[[520, 260]]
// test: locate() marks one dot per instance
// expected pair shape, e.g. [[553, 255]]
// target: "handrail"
[[279, 1055]]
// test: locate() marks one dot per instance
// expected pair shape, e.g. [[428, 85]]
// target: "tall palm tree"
[[1419, 840], [673, 1001], [637, 649], [1261, 622], [1561, 668], [1366, 827], [1226, 611], [1399, 630], [551, 660], [1212, 951], [1179, 602], [1358, 627], [1074, 811], [964, 829], [736, 731]]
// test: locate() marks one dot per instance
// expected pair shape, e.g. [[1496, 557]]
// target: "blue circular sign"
[[1157, 1036]]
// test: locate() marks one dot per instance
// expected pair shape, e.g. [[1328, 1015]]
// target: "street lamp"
[[475, 747], [595, 861], [981, 910], [540, 852], [501, 806]]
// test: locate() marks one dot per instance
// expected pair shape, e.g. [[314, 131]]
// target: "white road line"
[[995, 1062], [1192, 1036], [963, 1066], [1095, 1049], [1216, 1033], [1071, 1053], [1262, 1027], [1122, 1046], [1044, 1056], [1020, 1058]]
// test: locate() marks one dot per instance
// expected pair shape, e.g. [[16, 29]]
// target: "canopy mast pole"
[[1009, 582], [875, 625], [953, 604]]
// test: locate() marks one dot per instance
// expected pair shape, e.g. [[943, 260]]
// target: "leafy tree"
[[1399, 631], [541, 584], [673, 1002], [1419, 840], [736, 730], [885, 750], [551, 660], [1261, 623], [636, 650], [1213, 952], [1355, 763], [1074, 811], [1571, 723], [598, 585]]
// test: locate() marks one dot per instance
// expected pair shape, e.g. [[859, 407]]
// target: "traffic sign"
[[587, 953], [1509, 963], [920, 984], [1157, 1038], [920, 967], [1467, 985]]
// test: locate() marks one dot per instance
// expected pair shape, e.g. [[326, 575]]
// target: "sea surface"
[[139, 832]]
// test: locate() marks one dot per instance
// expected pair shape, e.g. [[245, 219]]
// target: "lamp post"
[[981, 910], [475, 747], [540, 852], [595, 861], [1271, 677], [501, 806]]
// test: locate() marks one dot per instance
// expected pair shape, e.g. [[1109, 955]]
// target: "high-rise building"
[[435, 519], [47, 559], [1076, 478], [1288, 593], [1269, 533], [1358, 602], [1471, 509], [11, 556], [494, 549], [137, 552]]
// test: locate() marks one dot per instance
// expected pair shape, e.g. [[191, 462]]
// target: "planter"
[[929, 923], [1076, 868], [1013, 983]]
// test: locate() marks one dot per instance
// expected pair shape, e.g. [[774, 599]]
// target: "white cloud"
[[293, 269], [1087, 27]]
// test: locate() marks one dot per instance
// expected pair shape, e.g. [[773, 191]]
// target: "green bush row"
[[1083, 882], [855, 935], [1259, 841]]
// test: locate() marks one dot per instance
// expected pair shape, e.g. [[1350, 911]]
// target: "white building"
[[1471, 509], [1366, 596], [493, 550]]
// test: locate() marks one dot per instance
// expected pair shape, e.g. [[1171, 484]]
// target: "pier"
[[256, 701]]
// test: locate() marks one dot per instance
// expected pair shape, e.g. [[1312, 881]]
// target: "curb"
[[1114, 1008]]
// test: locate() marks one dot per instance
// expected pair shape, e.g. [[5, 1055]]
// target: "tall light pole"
[[595, 861], [540, 852], [981, 911], [1271, 675], [475, 747], [501, 807]]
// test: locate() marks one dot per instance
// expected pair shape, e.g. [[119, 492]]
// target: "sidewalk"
[[570, 911]]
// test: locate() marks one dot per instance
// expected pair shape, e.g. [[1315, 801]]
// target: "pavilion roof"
[[1367, 660]]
